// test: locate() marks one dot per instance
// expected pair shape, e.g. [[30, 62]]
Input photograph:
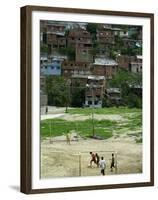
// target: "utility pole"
[[92, 88], [68, 94]]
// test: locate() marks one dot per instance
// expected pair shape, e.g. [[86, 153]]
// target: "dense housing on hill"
[[90, 55]]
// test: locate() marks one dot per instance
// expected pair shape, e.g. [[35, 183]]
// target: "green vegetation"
[[68, 51], [44, 48], [77, 94], [110, 110], [56, 91], [92, 28], [139, 140], [130, 85], [130, 125], [60, 92], [104, 129]]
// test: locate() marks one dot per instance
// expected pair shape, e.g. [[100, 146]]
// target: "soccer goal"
[[74, 164]]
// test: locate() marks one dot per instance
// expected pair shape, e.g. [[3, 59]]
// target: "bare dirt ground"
[[59, 159]]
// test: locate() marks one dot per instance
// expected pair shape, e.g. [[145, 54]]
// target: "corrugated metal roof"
[[95, 77], [139, 56], [105, 61], [113, 90]]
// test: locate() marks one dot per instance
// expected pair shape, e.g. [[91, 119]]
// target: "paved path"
[[51, 116]]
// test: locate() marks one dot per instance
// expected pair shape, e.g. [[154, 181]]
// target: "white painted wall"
[[10, 98]]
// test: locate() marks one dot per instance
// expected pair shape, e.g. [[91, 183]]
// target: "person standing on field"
[[68, 138], [102, 165], [93, 159], [112, 162], [97, 159], [46, 110]]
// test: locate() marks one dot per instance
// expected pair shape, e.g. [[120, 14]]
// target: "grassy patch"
[[138, 140], [57, 127], [132, 124], [111, 110]]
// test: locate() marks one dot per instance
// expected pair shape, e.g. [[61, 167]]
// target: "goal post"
[[71, 164]]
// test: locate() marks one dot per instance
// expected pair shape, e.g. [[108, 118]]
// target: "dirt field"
[[59, 159]]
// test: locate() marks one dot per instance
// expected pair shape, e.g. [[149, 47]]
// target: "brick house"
[[136, 66], [131, 63], [70, 68], [78, 36], [104, 67], [81, 41], [95, 89], [84, 52], [53, 35], [113, 95], [105, 37], [124, 61]]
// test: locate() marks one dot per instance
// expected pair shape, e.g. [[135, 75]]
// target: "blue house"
[[53, 68]]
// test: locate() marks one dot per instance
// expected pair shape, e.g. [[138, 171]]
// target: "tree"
[[69, 52], [77, 95], [92, 28], [130, 85], [44, 48], [56, 91]]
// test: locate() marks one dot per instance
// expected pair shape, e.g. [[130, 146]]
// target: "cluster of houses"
[[88, 65]]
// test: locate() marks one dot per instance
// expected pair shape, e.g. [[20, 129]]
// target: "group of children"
[[101, 162]]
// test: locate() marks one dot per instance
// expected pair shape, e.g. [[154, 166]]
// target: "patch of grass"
[[136, 134], [57, 127], [111, 110], [102, 128], [138, 140], [133, 122]]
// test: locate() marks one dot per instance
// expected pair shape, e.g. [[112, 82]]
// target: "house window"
[[84, 51]]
